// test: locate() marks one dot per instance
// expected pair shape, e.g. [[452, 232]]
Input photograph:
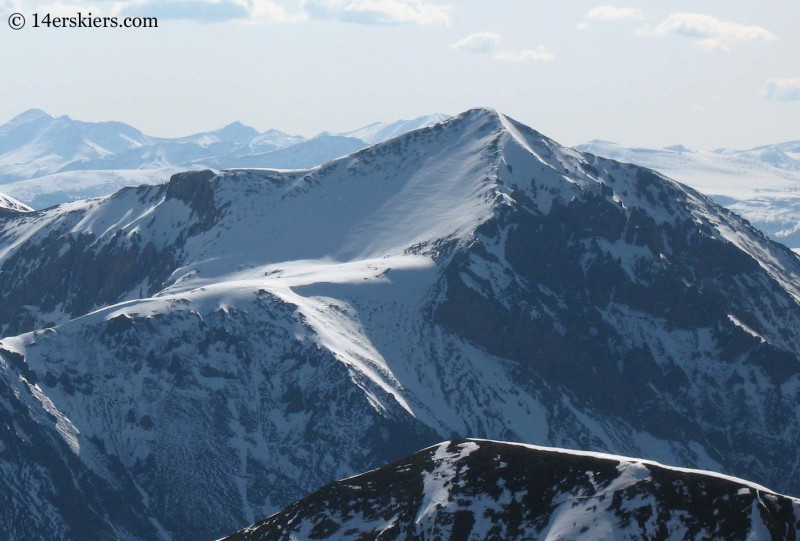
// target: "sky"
[[703, 73]]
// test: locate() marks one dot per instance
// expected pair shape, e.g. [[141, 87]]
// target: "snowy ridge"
[[618, 458], [761, 184], [225, 343], [482, 489]]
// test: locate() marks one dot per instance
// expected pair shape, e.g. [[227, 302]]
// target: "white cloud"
[[782, 89], [487, 43], [480, 42], [708, 31], [611, 13], [272, 11], [583, 26], [540, 54], [378, 12]]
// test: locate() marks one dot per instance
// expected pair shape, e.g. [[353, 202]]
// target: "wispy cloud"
[[707, 31], [378, 12], [540, 54], [612, 13], [489, 43], [205, 11], [782, 89], [479, 42]]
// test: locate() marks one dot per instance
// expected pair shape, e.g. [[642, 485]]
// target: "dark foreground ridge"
[[479, 489]]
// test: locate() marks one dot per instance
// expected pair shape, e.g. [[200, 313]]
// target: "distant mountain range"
[[46, 160], [478, 489], [181, 360], [762, 184]]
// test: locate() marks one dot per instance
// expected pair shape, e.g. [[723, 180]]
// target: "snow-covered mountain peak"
[[472, 278], [30, 115], [235, 132], [275, 139]]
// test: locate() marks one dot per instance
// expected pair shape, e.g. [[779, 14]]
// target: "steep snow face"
[[761, 184], [230, 342], [478, 489]]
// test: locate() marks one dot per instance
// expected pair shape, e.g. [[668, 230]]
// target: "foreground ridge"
[[482, 489]]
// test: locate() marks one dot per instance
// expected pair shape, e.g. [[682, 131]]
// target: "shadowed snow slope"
[[478, 489], [205, 351]]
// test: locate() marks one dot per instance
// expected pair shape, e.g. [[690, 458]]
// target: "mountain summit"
[[186, 358]]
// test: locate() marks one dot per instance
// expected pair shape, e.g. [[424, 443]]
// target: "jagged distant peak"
[[237, 127]]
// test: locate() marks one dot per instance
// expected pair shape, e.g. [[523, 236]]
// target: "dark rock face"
[[76, 272], [194, 188], [77, 276], [477, 489]]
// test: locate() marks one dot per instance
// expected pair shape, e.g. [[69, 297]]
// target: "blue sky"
[[704, 73]]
